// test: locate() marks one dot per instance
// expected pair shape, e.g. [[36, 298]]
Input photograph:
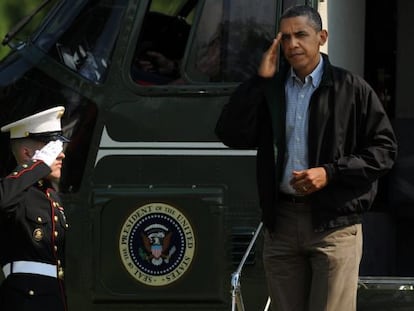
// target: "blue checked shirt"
[[298, 95]]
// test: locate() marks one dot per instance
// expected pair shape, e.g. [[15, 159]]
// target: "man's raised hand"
[[268, 66], [49, 152]]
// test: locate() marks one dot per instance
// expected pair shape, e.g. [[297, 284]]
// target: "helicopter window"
[[162, 42], [226, 46], [87, 46], [230, 39]]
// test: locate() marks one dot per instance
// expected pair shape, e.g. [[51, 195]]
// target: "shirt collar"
[[315, 76]]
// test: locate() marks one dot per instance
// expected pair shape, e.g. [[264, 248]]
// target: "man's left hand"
[[310, 180]]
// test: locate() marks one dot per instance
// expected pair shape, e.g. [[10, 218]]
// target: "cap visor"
[[62, 138]]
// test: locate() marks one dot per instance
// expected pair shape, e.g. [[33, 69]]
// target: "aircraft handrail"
[[236, 295]]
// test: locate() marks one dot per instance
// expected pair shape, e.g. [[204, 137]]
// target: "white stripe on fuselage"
[[110, 147]]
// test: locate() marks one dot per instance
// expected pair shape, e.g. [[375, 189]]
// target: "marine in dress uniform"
[[32, 218]]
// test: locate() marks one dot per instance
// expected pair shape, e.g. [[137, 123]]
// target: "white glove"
[[49, 152]]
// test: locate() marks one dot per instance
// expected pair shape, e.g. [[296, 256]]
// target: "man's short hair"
[[16, 144], [304, 10]]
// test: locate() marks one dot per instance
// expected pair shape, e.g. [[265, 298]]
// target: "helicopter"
[[161, 212]]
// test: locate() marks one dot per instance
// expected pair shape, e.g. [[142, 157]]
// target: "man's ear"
[[323, 37], [25, 154]]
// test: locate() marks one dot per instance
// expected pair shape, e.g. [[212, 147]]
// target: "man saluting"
[[32, 219], [323, 140]]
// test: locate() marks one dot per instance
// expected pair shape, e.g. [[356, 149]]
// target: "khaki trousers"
[[307, 270]]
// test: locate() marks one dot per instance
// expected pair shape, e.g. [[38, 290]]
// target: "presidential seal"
[[157, 244]]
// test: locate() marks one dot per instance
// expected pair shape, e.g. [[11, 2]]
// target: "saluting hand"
[[49, 152], [268, 66]]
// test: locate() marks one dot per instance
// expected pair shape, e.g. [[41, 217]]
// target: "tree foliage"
[[11, 12]]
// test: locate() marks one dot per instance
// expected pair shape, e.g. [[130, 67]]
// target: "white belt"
[[30, 267]]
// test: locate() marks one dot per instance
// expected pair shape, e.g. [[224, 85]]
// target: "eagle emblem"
[[156, 241]]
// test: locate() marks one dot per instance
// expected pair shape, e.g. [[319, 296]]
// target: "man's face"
[[301, 43], [56, 167]]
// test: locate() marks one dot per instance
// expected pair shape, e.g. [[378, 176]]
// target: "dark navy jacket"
[[349, 135]]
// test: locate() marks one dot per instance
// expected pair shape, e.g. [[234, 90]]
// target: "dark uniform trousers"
[[308, 270], [22, 292]]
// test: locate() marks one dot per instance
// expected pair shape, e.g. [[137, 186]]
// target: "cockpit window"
[[230, 39], [224, 42], [162, 42], [18, 31], [87, 46]]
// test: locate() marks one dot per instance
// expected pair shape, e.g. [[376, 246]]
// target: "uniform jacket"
[[33, 225], [349, 135]]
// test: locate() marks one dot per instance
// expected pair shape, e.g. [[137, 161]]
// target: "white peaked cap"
[[43, 124]]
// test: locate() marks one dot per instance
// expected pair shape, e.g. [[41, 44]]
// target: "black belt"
[[295, 199]]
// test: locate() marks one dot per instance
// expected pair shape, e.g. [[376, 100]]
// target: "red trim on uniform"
[[30, 168], [60, 282]]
